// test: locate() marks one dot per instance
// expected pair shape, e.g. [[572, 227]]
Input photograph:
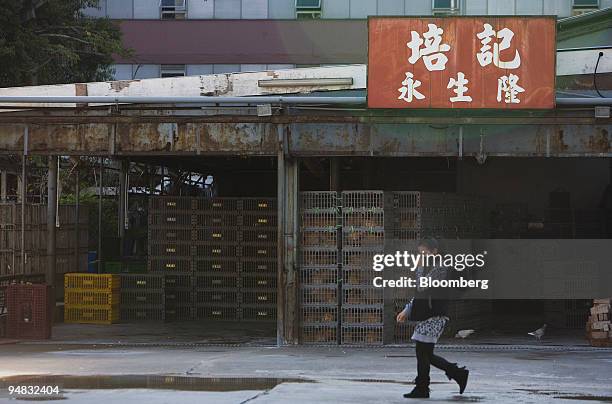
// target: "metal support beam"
[[77, 203], [123, 197], [290, 246], [101, 193], [51, 220], [3, 183], [280, 195], [288, 188], [334, 174]]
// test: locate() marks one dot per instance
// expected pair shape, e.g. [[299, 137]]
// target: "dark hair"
[[430, 243]]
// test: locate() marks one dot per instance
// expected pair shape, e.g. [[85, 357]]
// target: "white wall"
[[119, 9], [285, 9], [255, 9], [146, 9], [362, 8], [229, 9], [390, 7], [281, 9], [202, 9], [417, 7]]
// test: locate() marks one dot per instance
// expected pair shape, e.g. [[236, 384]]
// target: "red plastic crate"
[[30, 311]]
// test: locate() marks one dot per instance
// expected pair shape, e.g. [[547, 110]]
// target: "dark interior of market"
[[527, 198]]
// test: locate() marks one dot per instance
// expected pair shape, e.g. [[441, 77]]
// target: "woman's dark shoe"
[[460, 375], [418, 392]]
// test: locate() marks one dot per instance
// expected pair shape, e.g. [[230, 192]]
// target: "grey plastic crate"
[[259, 204], [258, 297], [319, 334], [170, 203], [216, 265], [218, 250], [318, 276], [362, 335], [169, 250], [258, 313], [142, 298], [259, 281], [259, 236], [318, 257], [170, 235], [174, 220], [142, 313], [258, 267], [320, 238], [217, 296], [318, 295], [323, 220], [356, 315], [216, 312], [218, 204], [169, 265], [361, 295], [259, 252], [217, 219], [259, 219], [217, 281], [319, 315], [142, 282], [363, 200], [219, 235], [319, 200]]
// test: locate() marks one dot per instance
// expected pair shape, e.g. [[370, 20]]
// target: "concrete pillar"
[[51, 221]]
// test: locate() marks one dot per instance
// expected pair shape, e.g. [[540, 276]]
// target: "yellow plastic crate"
[[84, 297], [107, 282], [91, 315]]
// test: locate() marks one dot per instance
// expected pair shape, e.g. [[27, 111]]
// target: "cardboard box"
[[600, 308], [601, 325], [599, 335]]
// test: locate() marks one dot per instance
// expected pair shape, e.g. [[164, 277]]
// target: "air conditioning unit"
[[308, 15], [445, 7], [445, 11], [581, 11], [173, 9]]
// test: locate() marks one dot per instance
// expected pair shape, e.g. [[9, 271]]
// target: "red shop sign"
[[461, 62]]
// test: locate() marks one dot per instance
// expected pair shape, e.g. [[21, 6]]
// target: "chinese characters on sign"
[[461, 62]]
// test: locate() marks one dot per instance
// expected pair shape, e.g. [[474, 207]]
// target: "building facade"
[[192, 37]]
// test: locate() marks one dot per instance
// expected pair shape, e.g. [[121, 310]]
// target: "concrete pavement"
[[239, 374]]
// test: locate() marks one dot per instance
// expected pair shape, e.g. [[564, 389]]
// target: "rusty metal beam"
[[520, 139]]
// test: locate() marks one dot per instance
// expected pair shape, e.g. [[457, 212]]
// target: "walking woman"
[[431, 316]]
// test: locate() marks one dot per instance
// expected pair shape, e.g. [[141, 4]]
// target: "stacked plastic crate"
[[217, 258], [319, 267], [91, 298], [142, 297], [171, 222], [363, 235], [258, 245]]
